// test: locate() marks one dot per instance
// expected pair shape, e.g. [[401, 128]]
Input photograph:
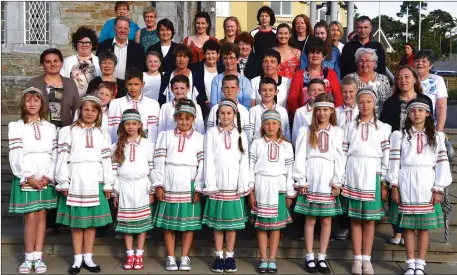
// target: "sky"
[[371, 9]]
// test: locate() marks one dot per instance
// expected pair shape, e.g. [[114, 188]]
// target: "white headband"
[[323, 104], [366, 91], [418, 105]]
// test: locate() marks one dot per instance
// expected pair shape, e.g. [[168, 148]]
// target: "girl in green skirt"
[[366, 143], [178, 182], [84, 176], [132, 190], [32, 155], [319, 169], [418, 173], [227, 179], [271, 160]]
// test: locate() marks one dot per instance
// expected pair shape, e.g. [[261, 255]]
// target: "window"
[[3, 22], [282, 8], [223, 9], [37, 23], [321, 14]]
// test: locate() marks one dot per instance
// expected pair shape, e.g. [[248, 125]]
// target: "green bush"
[[452, 93]]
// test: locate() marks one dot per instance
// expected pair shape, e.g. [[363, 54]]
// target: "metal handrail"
[[446, 205]]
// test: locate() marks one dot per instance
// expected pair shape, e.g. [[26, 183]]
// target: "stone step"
[[246, 247]]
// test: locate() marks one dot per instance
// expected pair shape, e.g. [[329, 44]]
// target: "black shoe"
[[94, 269], [218, 265], [263, 267], [229, 265], [310, 269], [323, 269], [74, 270]]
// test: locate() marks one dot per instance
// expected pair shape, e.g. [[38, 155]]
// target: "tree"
[[413, 16], [393, 30]]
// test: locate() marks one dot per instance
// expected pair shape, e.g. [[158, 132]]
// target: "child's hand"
[[288, 202], [252, 201], [196, 198], [107, 195], [208, 104], [302, 190], [384, 192], [336, 191], [436, 198], [35, 184], [151, 198], [159, 193], [395, 195], [116, 202], [43, 182]]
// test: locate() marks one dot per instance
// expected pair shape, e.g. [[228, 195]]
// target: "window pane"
[[286, 8], [276, 7], [222, 8], [3, 22], [37, 22]]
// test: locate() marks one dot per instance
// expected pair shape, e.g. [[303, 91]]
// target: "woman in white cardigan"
[[83, 66]]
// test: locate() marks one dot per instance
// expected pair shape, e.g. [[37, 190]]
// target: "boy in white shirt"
[[349, 110]]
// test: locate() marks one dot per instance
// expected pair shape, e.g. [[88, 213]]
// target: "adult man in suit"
[[129, 53]]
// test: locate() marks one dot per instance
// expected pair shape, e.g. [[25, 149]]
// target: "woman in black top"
[[165, 46], [301, 31], [264, 35], [249, 63]]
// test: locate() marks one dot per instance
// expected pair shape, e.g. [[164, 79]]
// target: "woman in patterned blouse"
[[147, 36]]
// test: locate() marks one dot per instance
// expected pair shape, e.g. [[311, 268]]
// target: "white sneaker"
[[185, 264], [396, 241], [171, 264]]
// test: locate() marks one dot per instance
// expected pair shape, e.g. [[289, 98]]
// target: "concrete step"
[[246, 247]]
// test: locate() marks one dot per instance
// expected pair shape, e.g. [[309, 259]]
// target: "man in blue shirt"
[[122, 9]]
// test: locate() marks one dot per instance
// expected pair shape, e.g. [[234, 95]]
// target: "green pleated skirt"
[[225, 215], [185, 216], [279, 222], [365, 210], [303, 206], [417, 221], [139, 225], [84, 217], [22, 202]]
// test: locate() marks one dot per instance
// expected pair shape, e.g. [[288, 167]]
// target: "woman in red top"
[[202, 25], [298, 92], [408, 58]]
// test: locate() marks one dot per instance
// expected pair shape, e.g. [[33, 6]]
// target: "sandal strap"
[[420, 270]]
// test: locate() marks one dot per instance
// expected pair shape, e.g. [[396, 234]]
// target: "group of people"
[[249, 122]]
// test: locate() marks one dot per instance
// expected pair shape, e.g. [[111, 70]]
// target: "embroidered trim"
[[132, 152], [273, 152], [227, 140], [323, 140], [365, 131], [36, 130], [89, 138], [420, 143]]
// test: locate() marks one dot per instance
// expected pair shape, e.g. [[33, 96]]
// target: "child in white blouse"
[[227, 180], [349, 110], [418, 173], [132, 190], [152, 78], [178, 182], [319, 169], [180, 87], [366, 144], [32, 156], [84, 176], [271, 161]]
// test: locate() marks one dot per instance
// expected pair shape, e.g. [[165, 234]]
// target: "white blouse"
[[345, 114], [167, 121], [283, 91], [208, 79], [151, 87], [302, 118], [255, 121]]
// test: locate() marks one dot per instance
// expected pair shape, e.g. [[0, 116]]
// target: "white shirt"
[[192, 94], [340, 47], [302, 118], [435, 88], [417, 169], [283, 91], [167, 121], [121, 54], [255, 121], [208, 79], [345, 114], [151, 87], [165, 50], [148, 109], [244, 116]]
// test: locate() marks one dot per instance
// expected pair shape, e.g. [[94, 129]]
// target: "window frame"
[[47, 21], [3, 26], [221, 4], [280, 14]]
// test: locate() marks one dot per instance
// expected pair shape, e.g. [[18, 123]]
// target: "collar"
[[309, 108], [140, 98], [116, 43], [371, 122], [327, 128], [84, 126], [264, 107], [414, 131], [187, 134], [135, 142], [267, 140], [39, 121], [224, 130], [349, 107]]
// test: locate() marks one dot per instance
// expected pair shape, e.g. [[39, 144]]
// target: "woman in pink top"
[[202, 25], [290, 56]]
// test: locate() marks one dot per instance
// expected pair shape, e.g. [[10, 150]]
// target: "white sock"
[[358, 257], [321, 257], [29, 256], [88, 260], [420, 264], [78, 260], [411, 264], [220, 254], [310, 257], [229, 254], [366, 258], [129, 252], [37, 255], [139, 252]]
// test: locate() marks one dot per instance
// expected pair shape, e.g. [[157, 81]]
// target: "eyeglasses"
[[365, 61], [83, 43]]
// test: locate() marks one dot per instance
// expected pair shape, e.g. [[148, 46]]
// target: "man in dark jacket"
[[129, 53], [362, 39]]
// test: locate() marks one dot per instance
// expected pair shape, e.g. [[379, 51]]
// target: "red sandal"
[[138, 262], [129, 262]]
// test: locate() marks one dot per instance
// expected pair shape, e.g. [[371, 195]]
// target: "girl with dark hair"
[[32, 156], [366, 146], [133, 156], [290, 56], [418, 173], [264, 35], [408, 58], [318, 170], [202, 26], [332, 58], [271, 160], [178, 173], [227, 180]]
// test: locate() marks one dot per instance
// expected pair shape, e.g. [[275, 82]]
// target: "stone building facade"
[[20, 57]]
